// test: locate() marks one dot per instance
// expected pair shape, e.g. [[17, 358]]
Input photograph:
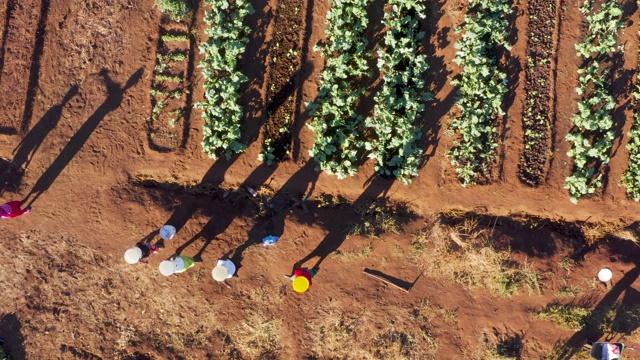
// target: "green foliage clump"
[[222, 112], [593, 136], [403, 97], [569, 317], [178, 10], [338, 127], [631, 177], [481, 88]]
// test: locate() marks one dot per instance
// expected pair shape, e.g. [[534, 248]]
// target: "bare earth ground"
[[69, 295]]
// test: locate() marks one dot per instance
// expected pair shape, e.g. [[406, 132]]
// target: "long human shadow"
[[190, 204], [219, 222], [592, 330], [29, 145], [11, 5], [191, 65], [512, 67], [305, 71], [626, 251], [112, 102], [436, 78], [34, 71], [271, 221], [620, 86], [254, 67], [10, 330], [378, 186]]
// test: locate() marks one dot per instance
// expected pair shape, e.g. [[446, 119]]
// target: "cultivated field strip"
[[593, 135], [631, 177], [538, 119], [284, 65], [344, 136], [22, 46], [222, 112], [169, 89], [339, 128], [481, 89], [403, 96]]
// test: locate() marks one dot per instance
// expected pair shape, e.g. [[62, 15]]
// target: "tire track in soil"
[[169, 123], [537, 117], [284, 67], [22, 47]]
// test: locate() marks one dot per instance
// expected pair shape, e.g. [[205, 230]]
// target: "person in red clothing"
[[12, 209], [302, 279]]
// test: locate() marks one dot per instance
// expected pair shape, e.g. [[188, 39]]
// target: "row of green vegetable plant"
[[178, 10], [481, 88], [631, 177], [402, 98], [592, 136], [339, 129], [222, 112]]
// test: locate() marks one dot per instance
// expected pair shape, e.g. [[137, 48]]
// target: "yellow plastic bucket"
[[300, 284]]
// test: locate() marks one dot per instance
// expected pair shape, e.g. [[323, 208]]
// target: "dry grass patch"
[[353, 255], [567, 316], [393, 344], [337, 333], [560, 351], [464, 253], [258, 336], [497, 345], [380, 217]]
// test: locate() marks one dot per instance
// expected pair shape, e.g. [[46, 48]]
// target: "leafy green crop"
[[228, 36], [631, 177], [177, 9], [481, 88], [593, 136], [337, 125], [402, 97]]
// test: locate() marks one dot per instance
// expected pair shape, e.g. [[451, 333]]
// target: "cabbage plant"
[[222, 113]]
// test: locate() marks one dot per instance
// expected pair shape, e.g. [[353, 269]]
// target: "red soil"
[[68, 293]]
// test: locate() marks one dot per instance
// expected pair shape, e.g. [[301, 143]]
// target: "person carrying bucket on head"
[[301, 279], [13, 209], [225, 269], [176, 265], [140, 252]]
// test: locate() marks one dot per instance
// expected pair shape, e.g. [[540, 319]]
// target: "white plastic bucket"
[[605, 274], [219, 273], [224, 269], [167, 267], [167, 232], [133, 255]]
